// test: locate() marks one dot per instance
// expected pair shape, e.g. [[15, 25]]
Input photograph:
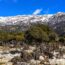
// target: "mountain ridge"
[[55, 21], [24, 18]]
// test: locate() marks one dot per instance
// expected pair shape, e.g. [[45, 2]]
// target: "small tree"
[[37, 33], [62, 39], [53, 36]]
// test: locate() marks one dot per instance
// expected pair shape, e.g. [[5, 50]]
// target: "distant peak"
[[60, 13]]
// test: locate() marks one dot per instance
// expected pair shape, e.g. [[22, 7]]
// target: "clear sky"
[[26, 7]]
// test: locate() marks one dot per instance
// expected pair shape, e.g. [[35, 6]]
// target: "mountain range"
[[22, 22]]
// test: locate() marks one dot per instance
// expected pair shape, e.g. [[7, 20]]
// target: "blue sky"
[[29, 7]]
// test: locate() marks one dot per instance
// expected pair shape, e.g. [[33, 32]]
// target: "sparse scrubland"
[[38, 45]]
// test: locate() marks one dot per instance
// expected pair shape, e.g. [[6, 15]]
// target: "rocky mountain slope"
[[57, 22]]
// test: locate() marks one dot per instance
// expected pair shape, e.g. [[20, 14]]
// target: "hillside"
[[23, 22]]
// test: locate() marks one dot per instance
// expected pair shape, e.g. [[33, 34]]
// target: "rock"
[[64, 56], [32, 48], [41, 58], [29, 51], [57, 61], [34, 62]]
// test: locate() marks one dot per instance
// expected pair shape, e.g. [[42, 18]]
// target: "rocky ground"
[[43, 54]]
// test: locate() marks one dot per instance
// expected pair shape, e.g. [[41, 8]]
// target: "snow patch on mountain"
[[11, 20]]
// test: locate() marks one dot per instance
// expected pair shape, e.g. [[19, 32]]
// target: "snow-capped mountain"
[[13, 20], [56, 21], [52, 19]]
